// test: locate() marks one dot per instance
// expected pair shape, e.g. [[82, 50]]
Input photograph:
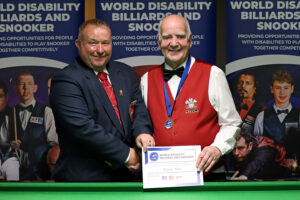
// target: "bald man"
[[204, 113]]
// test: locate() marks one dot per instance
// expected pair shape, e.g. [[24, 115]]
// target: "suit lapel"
[[98, 89], [116, 77]]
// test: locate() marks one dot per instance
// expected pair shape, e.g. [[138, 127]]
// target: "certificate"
[[171, 167]]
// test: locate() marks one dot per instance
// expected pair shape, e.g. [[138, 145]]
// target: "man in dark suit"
[[98, 128]]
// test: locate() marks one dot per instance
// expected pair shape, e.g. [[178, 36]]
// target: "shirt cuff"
[[127, 159]]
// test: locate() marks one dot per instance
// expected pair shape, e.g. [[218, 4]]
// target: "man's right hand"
[[134, 161]]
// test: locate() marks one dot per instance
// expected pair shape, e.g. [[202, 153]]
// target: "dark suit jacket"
[[94, 145]]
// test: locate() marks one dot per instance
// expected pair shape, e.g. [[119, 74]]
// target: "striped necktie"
[[109, 91]]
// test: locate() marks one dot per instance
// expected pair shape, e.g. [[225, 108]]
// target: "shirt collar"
[[33, 102], [168, 67], [104, 70], [289, 107]]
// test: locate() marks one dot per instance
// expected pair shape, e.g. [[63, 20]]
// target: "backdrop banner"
[[37, 36], [36, 39], [262, 56], [135, 24]]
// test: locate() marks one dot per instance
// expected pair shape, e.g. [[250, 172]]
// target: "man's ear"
[[190, 40], [77, 43], [271, 89], [158, 38], [6, 97], [15, 88], [250, 146], [35, 88]]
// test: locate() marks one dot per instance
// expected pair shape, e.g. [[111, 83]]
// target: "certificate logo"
[[154, 156]]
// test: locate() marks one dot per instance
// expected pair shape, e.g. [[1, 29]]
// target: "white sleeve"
[[144, 87], [52, 138], [259, 124], [229, 120]]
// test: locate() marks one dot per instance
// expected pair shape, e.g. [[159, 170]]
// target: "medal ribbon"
[[182, 80]]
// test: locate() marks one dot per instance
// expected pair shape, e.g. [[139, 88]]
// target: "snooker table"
[[275, 190]]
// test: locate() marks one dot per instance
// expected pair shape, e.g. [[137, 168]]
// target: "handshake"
[[142, 141]]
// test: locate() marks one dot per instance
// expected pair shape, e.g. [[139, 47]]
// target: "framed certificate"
[[171, 167]]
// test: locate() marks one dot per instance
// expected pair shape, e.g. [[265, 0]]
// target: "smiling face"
[[246, 87], [282, 92], [175, 40], [95, 46]]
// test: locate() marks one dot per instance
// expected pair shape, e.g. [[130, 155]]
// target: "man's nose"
[[235, 151], [281, 91], [99, 48], [174, 41]]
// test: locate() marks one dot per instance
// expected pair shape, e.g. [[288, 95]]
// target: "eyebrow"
[[181, 34], [177, 34]]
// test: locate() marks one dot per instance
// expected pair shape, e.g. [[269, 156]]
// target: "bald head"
[[174, 19], [174, 40]]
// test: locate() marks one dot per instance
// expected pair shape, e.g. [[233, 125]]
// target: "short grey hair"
[[186, 23]]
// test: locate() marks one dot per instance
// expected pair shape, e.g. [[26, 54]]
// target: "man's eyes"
[[166, 37], [22, 84], [170, 37], [105, 43], [92, 42], [95, 43], [180, 36]]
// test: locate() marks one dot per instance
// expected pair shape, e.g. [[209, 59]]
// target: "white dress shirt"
[[221, 100], [4, 130], [104, 70], [10, 167], [49, 122], [259, 121]]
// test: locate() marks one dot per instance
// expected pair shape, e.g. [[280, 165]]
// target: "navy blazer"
[[94, 145]]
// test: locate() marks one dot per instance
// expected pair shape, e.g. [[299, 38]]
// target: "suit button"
[[174, 133], [108, 163]]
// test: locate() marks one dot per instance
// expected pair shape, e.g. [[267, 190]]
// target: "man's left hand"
[[144, 140], [207, 158]]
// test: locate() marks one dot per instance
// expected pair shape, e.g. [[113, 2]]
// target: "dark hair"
[[3, 86], [282, 75], [249, 137], [256, 84], [96, 22], [24, 73]]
